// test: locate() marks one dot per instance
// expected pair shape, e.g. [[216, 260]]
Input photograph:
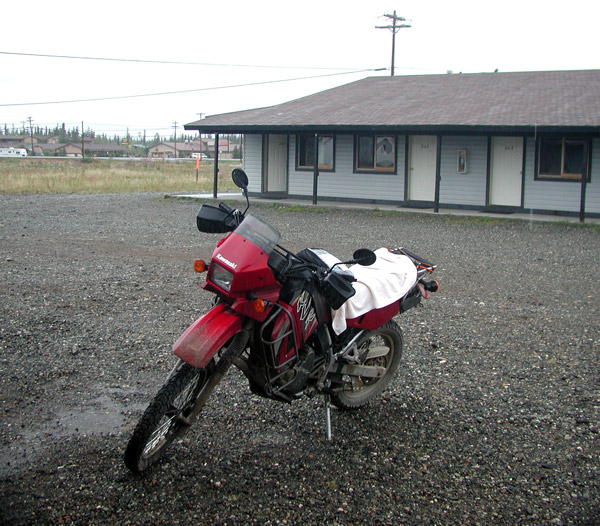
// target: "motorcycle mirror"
[[361, 256], [240, 178], [364, 257]]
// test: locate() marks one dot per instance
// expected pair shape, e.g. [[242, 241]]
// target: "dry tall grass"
[[74, 176]]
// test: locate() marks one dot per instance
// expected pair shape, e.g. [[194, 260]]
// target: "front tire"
[[387, 337], [163, 420]]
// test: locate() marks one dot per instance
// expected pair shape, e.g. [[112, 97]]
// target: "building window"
[[305, 152], [561, 158], [375, 153]]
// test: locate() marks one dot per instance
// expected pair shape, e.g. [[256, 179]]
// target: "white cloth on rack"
[[378, 285]]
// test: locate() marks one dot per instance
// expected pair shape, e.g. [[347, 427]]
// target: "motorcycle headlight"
[[221, 277]]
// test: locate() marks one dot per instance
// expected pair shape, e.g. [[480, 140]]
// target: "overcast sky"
[[262, 42]]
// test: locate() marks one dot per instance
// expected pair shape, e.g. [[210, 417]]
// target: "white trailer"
[[13, 152]]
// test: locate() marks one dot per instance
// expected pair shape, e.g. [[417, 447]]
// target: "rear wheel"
[[165, 418], [382, 347]]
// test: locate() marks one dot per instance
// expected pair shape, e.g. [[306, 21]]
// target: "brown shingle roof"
[[550, 98]]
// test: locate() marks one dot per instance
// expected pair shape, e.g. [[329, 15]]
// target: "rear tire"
[[161, 423], [387, 336]]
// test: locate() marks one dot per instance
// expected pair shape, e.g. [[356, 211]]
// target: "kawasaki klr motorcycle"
[[294, 323]]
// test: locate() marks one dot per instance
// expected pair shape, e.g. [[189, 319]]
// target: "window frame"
[[563, 176], [311, 137], [373, 169]]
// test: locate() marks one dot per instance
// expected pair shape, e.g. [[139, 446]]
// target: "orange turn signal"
[[199, 266], [259, 305]]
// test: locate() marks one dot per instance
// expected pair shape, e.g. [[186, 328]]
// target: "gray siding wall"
[[561, 196], [469, 188], [592, 201], [455, 189], [344, 183], [253, 154]]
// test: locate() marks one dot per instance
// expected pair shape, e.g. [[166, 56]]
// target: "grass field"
[[74, 176]]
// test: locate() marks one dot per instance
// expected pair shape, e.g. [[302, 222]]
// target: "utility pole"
[[175, 136], [31, 132], [395, 27], [82, 143]]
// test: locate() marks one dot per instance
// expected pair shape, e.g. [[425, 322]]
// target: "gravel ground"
[[492, 419]]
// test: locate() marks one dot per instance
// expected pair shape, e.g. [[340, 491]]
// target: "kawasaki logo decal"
[[226, 261]]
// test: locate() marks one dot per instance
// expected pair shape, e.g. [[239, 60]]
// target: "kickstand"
[[328, 417]]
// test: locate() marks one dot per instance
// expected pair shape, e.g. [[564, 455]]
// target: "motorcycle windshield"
[[259, 232]]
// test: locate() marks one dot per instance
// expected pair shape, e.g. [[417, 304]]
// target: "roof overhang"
[[441, 129]]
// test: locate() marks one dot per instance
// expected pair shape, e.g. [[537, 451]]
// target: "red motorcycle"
[[294, 323]]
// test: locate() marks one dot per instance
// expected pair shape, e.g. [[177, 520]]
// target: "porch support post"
[[584, 177], [438, 167], [316, 169], [216, 166]]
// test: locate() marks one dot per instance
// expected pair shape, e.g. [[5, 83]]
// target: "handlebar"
[[234, 216], [226, 208]]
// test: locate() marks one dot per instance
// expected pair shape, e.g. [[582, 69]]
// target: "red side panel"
[[375, 318], [201, 340]]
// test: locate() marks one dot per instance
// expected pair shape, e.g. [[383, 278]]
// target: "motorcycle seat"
[[387, 280]]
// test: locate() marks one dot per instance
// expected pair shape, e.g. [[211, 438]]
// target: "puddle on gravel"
[[101, 415]]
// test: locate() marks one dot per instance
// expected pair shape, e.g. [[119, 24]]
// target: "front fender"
[[209, 333]]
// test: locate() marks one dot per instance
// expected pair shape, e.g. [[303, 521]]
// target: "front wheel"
[[165, 418], [381, 347]]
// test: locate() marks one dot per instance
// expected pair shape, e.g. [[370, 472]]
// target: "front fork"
[[233, 351]]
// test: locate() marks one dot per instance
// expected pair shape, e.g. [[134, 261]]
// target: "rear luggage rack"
[[422, 265]]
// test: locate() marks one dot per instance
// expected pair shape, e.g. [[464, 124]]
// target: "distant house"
[[64, 150], [106, 150], [525, 141], [73, 149], [47, 149], [18, 141], [12, 141], [70, 149], [166, 150], [224, 145]]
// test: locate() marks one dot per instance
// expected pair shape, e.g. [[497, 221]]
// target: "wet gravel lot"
[[493, 418]]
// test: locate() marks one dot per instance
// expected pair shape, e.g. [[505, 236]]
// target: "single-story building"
[[47, 149], [185, 149], [19, 141], [70, 149], [167, 150], [208, 145], [73, 149], [106, 150], [527, 141]]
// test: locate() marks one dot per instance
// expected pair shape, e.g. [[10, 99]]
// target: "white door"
[[506, 171], [422, 166], [276, 163]]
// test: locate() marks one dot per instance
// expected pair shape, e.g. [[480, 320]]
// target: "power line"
[[178, 92], [177, 62]]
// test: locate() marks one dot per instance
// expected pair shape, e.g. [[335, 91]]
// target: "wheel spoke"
[[378, 352], [157, 436], [172, 412], [164, 420]]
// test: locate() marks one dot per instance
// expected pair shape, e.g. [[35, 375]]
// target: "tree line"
[[73, 134]]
